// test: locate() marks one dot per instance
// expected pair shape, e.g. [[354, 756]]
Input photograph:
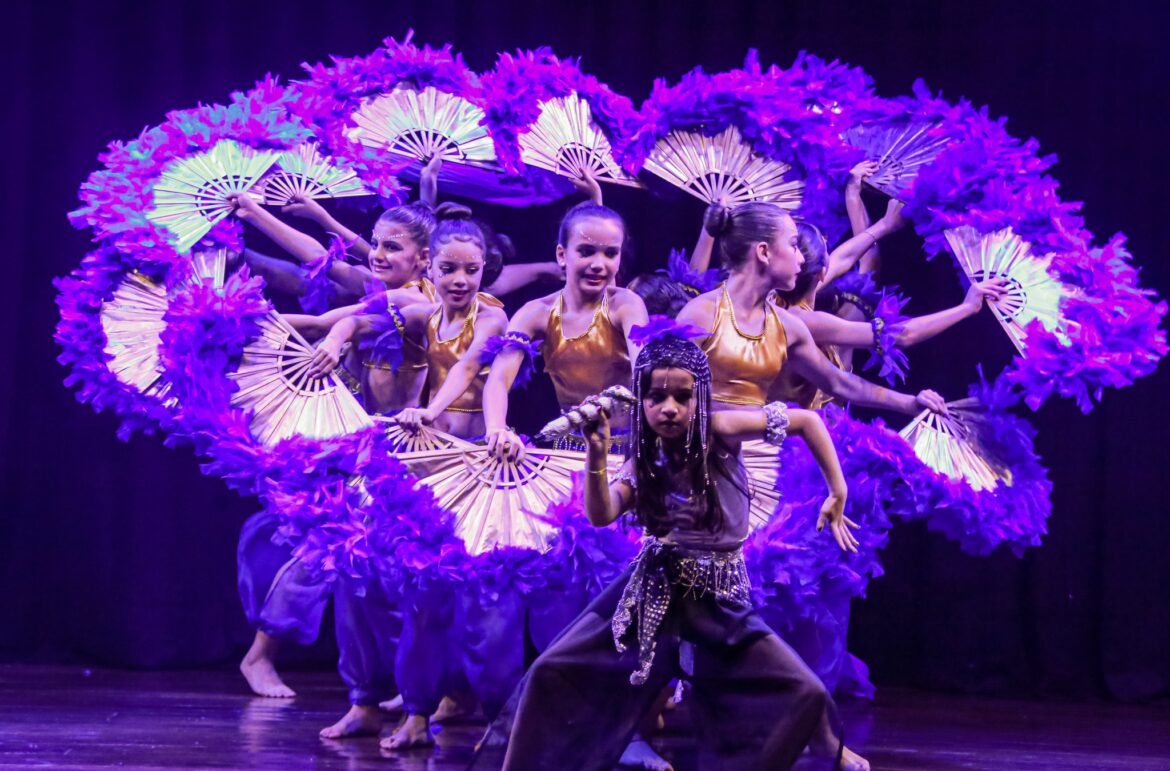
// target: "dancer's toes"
[[449, 709], [359, 721], [415, 731], [851, 761], [393, 705], [263, 678], [639, 754]]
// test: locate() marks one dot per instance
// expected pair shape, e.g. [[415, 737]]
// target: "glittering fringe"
[[658, 568]]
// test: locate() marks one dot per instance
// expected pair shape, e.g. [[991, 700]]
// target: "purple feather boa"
[[116, 198], [332, 92], [985, 178], [515, 88]]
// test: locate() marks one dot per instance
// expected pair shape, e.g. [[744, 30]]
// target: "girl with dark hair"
[[450, 333], [758, 705], [750, 339], [583, 329], [832, 333]]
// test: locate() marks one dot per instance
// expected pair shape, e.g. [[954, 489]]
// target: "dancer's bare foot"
[[415, 731], [359, 721], [851, 761], [259, 669], [393, 705], [451, 709], [639, 754]]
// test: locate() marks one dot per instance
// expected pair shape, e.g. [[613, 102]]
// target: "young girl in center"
[[757, 705], [583, 329]]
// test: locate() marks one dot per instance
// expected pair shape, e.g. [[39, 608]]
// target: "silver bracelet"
[[776, 429]]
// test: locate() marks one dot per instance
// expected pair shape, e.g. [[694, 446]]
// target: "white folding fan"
[[424, 439], [191, 194], [284, 400], [900, 148], [303, 172], [951, 445], [132, 320], [761, 461], [722, 167], [1032, 293], [491, 498], [566, 141]]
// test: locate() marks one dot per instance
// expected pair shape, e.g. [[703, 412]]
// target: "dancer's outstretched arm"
[[502, 441], [811, 364], [735, 426], [489, 323], [844, 257], [309, 209], [858, 216], [828, 329]]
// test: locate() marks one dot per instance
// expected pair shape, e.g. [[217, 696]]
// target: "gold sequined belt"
[[658, 568]]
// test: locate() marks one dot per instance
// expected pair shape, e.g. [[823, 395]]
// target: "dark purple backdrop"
[[122, 554]]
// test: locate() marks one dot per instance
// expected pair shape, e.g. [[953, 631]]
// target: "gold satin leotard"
[[791, 387], [442, 355], [414, 356], [589, 363], [744, 366]]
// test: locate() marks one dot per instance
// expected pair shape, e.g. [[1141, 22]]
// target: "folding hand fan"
[[498, 502], [722, 166], [900, 148], [1032, 291], [284, 400], [566, 141], [133, 322], [762, 463], [951, 445], [304, 172], [191, 195], [423, 440]]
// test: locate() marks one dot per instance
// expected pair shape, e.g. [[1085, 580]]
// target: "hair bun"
[[449, 210], [717, 219]]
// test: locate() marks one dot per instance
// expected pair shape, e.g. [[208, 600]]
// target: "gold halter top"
[[442, 355], [791, 387], [414, 356], [589, 363], [743, 366]]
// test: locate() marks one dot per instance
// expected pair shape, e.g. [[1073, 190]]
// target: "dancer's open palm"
[[833, 514]]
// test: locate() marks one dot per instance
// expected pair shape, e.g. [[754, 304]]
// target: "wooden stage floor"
[[54, 717]]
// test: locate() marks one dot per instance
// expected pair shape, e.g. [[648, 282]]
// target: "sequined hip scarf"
[[658, 569]]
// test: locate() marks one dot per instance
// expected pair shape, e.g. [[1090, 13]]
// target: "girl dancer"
[[450, 333], [279, 599], [583, 328], [756, 703], [833, 333], [750, 340]]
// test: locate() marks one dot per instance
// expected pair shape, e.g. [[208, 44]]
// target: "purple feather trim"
[[664, 326], [679, 269], [888, 322], [384, 341], [320, 292], [512, 341], [859, 288]]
